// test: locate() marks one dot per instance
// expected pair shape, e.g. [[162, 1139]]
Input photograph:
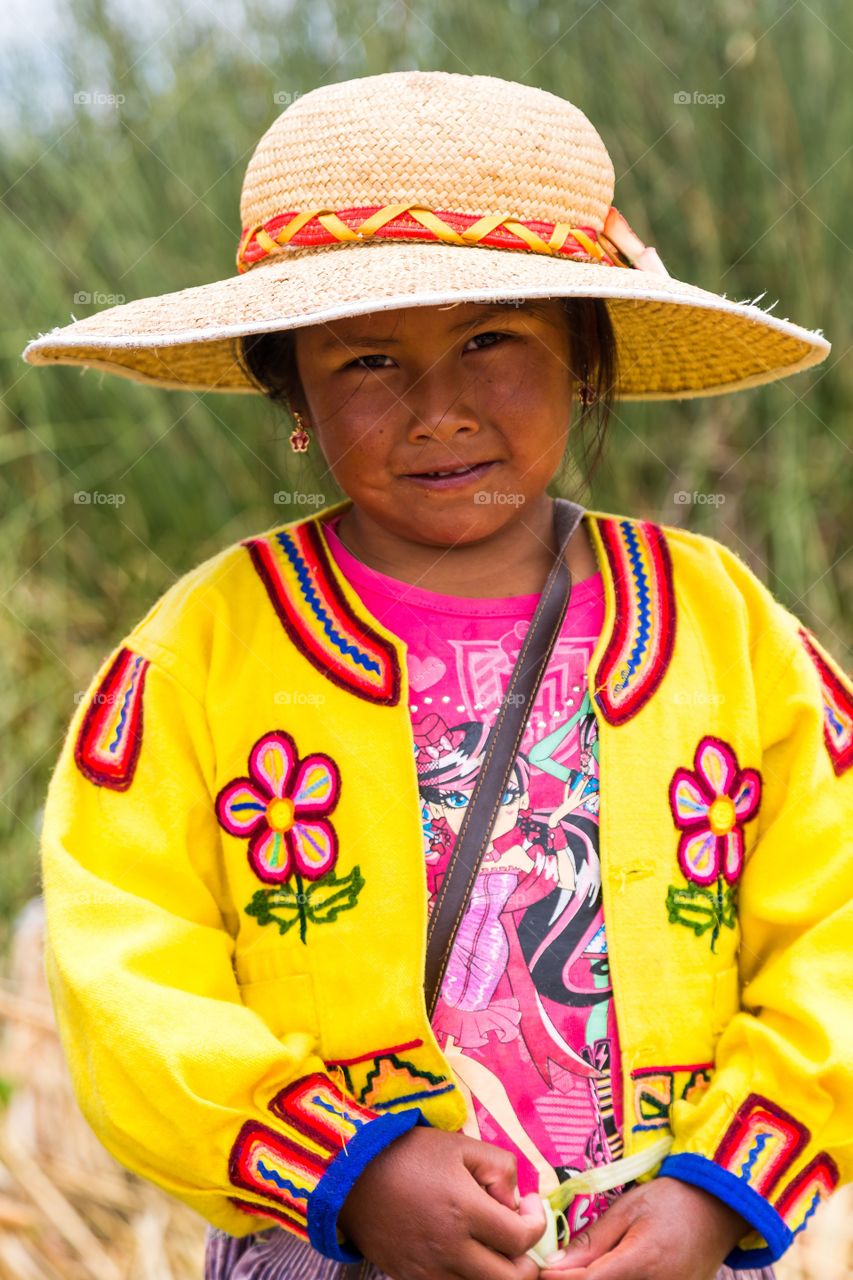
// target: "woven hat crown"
[[458, 143]]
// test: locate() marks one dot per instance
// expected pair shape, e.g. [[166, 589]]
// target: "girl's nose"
[[440, 406], [444, 426]]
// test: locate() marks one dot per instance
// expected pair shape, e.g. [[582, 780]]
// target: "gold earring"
[[299, 437]]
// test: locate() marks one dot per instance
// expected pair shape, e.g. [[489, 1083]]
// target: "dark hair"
[[269, 361]]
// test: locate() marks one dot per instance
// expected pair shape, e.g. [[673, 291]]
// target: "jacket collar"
[[327, 620]]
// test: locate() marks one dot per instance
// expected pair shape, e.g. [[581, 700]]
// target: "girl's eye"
[[455, 799], [511, 794], [491, 333], [361, 362]]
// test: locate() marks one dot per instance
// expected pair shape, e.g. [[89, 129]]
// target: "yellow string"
[[337, 1070], [590, 245]]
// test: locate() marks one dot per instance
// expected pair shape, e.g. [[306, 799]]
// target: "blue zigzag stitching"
[[810, 1211], [755, 1151], [271, 1176], [833, 719], [409, 1098], [357, 1121], [643, 633], [120, 724], [361, 659]]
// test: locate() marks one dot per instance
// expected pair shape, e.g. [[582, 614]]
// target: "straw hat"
[[427, 187]]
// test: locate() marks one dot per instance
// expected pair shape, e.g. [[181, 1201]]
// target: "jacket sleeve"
[[181, 1081], [773, 1134]]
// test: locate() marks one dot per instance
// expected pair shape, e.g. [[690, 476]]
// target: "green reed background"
[[142, 198]]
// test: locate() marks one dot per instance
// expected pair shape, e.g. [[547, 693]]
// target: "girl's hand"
[[660, 1230], [441, 1205]]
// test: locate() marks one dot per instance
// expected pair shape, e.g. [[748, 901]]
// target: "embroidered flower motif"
[[281, 807], [709, 805]]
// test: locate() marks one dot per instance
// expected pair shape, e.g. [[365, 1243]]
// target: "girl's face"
[[395, 394]]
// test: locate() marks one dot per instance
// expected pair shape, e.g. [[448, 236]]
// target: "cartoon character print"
[[527, 985]]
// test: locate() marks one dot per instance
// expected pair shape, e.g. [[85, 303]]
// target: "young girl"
[[258, 798]]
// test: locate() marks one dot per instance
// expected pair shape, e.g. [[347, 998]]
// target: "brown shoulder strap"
[[501, 750]]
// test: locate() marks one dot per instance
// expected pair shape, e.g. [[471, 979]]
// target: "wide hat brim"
[[674, 340]]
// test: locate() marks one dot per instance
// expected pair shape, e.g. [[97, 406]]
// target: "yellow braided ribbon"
[[429, 219]]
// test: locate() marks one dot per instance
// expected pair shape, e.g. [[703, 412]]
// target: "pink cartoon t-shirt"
[[525, 1014]]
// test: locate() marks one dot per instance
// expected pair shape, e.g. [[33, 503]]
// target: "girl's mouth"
[[456, 478]]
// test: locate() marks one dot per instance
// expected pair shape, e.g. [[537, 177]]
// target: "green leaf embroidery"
[[315, 902], [702, 909]]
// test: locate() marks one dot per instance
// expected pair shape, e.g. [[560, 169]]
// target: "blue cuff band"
[[324, 1203], [699, 1171]]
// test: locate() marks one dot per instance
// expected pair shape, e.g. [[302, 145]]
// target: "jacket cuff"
[[333, 1188], [300, 1176], [764, 1163], [775, 1236]]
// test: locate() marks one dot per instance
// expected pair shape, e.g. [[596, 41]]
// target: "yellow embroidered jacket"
[[235, 887]]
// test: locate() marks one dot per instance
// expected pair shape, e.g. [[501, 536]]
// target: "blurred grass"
[[143, 199]]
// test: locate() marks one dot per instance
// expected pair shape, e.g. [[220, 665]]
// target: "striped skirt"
[[276, 1254]]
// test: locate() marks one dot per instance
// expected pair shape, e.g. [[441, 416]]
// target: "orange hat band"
[[414, 222]]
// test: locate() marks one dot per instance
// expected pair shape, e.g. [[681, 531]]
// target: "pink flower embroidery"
[[709, 805], [281, 807]]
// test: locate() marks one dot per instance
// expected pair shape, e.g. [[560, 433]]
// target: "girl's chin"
[[439, 520], [452, 521]]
